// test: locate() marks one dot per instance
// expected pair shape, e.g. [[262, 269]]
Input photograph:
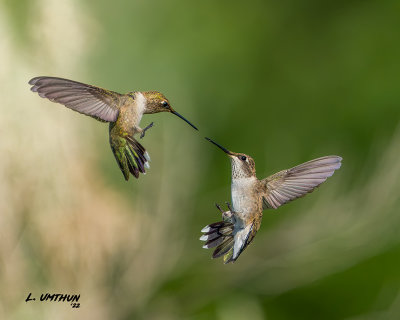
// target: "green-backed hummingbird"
[[122, 111]]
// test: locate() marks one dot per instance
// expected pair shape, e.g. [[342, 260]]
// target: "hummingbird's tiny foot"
[[229, 206], [219, 207], [227, 216], [144, 130]]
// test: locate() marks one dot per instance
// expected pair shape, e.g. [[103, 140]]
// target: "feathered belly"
[[243, 201], [129, 120]]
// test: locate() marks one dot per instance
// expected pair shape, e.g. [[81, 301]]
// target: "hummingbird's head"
[[157, 102], [243, 166]]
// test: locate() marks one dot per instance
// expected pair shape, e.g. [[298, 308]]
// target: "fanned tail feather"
[[131, 156], [219, 235]]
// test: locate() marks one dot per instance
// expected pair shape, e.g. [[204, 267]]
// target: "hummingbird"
[[250, 196], [122, 111]]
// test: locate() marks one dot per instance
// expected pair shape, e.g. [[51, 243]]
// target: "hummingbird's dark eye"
[[243, 158], [165, 104]]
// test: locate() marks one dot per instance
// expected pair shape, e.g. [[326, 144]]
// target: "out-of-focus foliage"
[[282, 81]]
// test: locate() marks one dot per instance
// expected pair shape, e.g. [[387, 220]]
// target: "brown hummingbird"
[[122, 111], [251, 196]]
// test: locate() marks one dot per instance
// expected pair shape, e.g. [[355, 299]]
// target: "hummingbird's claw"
[[229, 206], [219, 207], [144, 130], [227, 216]]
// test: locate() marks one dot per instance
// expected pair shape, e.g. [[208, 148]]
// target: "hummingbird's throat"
[[239, 170]]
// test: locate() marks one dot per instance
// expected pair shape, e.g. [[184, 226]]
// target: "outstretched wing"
[[296, 182], [92, 101]]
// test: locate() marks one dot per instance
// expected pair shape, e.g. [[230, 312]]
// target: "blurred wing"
[[296, 182], [96, 102]]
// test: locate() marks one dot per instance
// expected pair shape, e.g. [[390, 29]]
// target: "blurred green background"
[[281, 81]]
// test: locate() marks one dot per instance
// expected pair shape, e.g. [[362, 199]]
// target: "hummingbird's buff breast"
[[131, 113], [245, 200]]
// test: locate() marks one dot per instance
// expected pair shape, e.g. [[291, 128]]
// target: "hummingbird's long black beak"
[[177, 114], [221, 147]]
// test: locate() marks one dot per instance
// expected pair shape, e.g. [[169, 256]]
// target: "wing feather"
[[296, 182], [93, 101]]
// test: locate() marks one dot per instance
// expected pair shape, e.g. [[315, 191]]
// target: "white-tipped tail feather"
[[219, 235], [206, 229], [229, 240]]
